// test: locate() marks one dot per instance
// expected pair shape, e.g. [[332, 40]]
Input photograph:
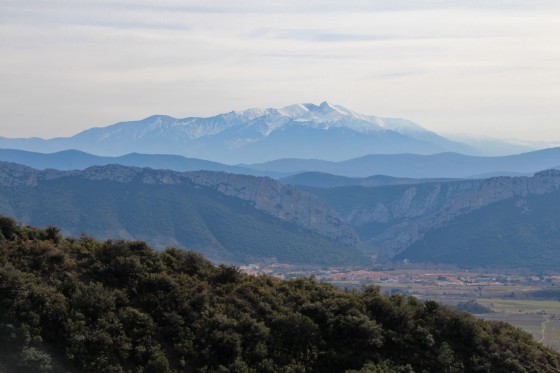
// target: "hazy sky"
[[485, 67]]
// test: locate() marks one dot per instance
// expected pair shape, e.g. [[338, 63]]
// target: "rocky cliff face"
[[281, 201], [413, 202], [421, 208], [284, 202], [16, 175]]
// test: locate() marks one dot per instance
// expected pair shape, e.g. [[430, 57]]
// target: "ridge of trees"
[[80, 305]]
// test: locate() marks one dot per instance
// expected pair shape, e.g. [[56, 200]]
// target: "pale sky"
[[480, 67]]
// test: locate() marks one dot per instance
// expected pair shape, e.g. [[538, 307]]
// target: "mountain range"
[[301, 184], [325, 131], [314, 172], [500, 222]]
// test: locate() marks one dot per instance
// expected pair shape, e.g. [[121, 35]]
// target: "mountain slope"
[[301, 130], [228, 217], [455, 221], [518, 232]]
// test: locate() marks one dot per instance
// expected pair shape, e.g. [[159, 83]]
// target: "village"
[[422, 282]]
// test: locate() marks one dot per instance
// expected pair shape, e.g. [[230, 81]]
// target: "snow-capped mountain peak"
[[294, 111], [303, 130], [264, 122], [324, 112], [250, 114], [322, 116]]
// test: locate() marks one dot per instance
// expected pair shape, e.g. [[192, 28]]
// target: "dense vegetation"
[[471, 306], [76, 304]]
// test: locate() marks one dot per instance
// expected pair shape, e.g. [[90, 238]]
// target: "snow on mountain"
[[304, 130], [323, 116], [327, 115], [262, 121]]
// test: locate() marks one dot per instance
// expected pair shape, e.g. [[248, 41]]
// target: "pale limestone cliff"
[[282, 201], [413, 214]]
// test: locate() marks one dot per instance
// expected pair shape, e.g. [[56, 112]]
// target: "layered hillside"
[[442, 165], [77, 160], [79, 305], [385, 168], [228, 217]]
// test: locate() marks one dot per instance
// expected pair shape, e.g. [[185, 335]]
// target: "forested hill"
[[79, 305]]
